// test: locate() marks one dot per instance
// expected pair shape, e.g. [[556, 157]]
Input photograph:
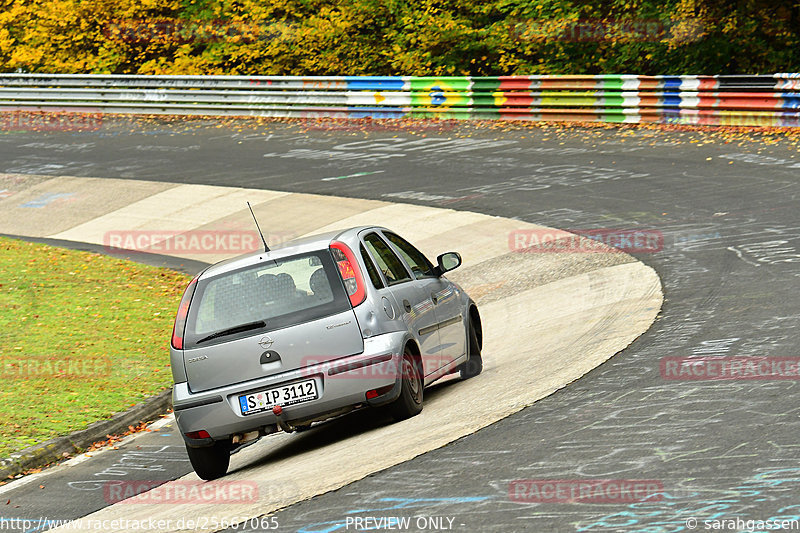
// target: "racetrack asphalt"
[[728, 216]]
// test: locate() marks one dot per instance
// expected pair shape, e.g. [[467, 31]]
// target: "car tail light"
[[202, 434], [351, 274], [374, 393], [180, 319]]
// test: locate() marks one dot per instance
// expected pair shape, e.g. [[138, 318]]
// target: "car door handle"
[[434, 299], [407, 306]]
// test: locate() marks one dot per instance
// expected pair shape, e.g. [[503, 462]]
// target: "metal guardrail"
[[759, 100]]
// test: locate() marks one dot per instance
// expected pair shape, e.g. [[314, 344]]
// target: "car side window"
[[387, 261], [414, 258], [377, 282]]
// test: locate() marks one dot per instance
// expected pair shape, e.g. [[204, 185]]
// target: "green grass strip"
[[82, 336]]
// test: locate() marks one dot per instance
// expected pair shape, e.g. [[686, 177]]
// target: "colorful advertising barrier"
[[746, 100]]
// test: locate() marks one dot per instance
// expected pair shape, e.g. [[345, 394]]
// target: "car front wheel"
[[474, 363]]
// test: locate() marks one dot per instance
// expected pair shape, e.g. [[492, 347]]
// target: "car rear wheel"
[[474, 364], [409, 403], [211, 462]]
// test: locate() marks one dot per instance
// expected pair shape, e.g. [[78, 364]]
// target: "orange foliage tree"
[[390, 37]]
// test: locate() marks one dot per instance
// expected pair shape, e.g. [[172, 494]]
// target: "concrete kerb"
[[59, 448]]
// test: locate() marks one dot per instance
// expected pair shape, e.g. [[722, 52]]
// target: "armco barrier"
[[748, 100]]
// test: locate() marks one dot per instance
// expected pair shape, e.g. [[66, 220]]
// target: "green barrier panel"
[[571, 101], [612, 100], [612, 83], [485, 84]]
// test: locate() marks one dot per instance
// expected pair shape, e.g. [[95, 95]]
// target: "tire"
[[474, 363], [211, 462], [409, 403]]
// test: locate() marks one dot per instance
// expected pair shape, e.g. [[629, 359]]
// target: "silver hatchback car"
[[284, 338]]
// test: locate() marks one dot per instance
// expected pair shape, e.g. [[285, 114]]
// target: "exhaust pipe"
[[278, 412], [241, 438]]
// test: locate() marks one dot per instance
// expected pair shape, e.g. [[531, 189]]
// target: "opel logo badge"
[[265, 342]]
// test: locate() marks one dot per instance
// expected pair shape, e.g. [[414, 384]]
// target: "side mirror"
[[447, 262]]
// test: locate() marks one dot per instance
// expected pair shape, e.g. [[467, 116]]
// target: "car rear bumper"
[[341, 383]]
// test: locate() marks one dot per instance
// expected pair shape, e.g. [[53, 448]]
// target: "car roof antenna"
[[266, 248]]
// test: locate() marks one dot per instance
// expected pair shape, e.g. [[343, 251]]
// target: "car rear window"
[[280, 293]]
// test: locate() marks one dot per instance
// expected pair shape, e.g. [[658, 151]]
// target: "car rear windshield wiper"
[[236, 329]]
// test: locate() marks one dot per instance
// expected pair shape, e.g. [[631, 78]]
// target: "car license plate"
[[284, 395]]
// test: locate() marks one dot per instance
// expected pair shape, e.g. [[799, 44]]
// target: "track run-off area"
[[725, 211]]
